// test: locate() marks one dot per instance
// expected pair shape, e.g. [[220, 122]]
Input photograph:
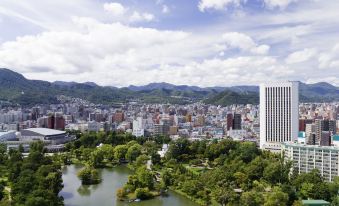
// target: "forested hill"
[[15, 88], [318, 92]]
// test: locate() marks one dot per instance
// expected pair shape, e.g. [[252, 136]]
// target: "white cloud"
[[223, 4], [301, 56], [120, 11], [217, 4], [86, 49], [140, 17], [281, 4], [158, 2], [329, 59], [244, 42], [165, 9], [101, 52], [115, 8]]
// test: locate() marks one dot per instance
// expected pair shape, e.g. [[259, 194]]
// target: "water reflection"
[[104, 194], [84, 190]]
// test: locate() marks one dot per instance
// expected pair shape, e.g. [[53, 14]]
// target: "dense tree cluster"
[[34, 180], [93, 139], [141, 184], [238, 173], [100, 149]]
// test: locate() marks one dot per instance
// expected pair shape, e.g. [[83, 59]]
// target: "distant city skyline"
[[201, 42]]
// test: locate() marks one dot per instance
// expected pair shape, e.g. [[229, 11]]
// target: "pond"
[[104, 194]]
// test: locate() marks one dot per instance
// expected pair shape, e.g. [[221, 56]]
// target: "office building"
[[325, 139], [229, 119], [56, 121], [118, 117], [161, 129], [279, 117], [237, 122], [322, 126], [309, 129], [303, 123]]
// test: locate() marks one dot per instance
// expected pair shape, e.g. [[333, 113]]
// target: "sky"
[[192, 42]]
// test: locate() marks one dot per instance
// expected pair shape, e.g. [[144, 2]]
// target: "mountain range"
[[16, 89]]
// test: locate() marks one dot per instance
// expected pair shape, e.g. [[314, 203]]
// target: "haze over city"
[[199, 42]]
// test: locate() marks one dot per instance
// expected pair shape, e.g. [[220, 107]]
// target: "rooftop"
[[46, 131], [6, 132], [316, 147], [336, 137], [315, 202]]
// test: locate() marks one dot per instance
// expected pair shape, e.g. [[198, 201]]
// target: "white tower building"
[[279, 114]]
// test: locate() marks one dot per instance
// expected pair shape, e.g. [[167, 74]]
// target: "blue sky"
[[193, 42]]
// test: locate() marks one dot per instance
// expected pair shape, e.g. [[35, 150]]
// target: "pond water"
[[104, 194]]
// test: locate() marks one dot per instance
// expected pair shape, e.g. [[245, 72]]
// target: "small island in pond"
[[89, 176]]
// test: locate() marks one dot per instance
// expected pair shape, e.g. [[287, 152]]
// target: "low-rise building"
[[7, 135], [55, 136]]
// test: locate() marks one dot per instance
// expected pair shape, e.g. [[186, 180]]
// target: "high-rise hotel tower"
[[279, 113]]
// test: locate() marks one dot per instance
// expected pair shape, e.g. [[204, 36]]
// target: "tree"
[[216, 149], [88, 140], [150, 147], [108, 151], [89, 176], [121, 194], [21, 148], [322, 191], [66, 158], [133, 152], [178, 148], [274, 173], [313, 177], [291, 191], [225, 195], [37, 146], [167, 177], [141, 160], [276, 198], [49, 177], [256, 168], [297, 203], [145, 177], [252, 198], [241, 179], [335, 201], [132, 183], [120, 152], [192, 187], [85, 153], [156, 159], [97, 156], [247, 151], [3, 156], [36, 201], [143, 193], [2, 187], [85, 175]]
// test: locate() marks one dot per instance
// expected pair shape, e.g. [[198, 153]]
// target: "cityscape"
[[161, 102]]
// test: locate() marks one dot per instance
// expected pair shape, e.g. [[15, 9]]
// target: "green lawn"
[[195, 170]]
